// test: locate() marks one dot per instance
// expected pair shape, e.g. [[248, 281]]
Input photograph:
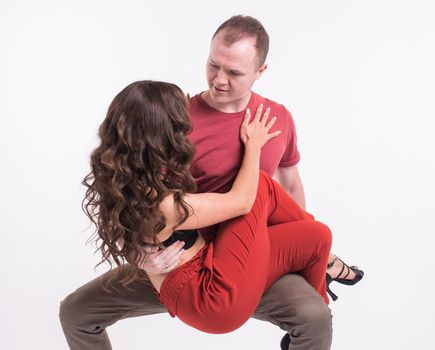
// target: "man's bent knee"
[[71, 310], [314, 319]]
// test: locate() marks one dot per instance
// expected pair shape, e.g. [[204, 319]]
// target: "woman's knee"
[[323, 234]]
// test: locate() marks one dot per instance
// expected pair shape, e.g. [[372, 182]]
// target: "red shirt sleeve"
[[291, 155]]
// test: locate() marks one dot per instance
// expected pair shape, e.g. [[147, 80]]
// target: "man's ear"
[[260, 71]]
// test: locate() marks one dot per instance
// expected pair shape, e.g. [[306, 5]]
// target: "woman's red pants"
[[219, 289]]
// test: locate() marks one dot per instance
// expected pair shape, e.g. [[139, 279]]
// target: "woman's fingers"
[[258, 128], [171, 251], [162, 261], [247, 116], [265, 116], [173, 262], [149, 249], [270, 123], [258, 113], [273, 134], [261, 117]]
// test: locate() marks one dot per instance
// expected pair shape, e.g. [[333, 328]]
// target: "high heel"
[[342, 279], [328, 289]]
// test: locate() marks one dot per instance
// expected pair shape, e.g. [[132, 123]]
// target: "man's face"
[[232, 70]]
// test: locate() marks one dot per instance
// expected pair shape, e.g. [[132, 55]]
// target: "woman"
[[141, 193]]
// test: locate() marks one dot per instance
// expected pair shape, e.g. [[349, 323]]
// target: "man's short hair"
[[238, 27]]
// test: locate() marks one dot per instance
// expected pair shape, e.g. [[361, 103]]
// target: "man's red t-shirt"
[[219, 150]]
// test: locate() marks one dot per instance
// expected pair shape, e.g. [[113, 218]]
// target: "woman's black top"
[[187, 236]]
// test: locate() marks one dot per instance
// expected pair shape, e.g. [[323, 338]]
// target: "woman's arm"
[[212, 208]]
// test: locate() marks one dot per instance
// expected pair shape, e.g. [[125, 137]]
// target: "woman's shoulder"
[[167, 205]]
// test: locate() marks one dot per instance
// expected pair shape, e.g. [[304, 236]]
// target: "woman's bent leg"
[[300, 246], [227, 289], [229, 286], [283, 207]]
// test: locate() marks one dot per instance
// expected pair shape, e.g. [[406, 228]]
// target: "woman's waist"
[[176, 280], [192, 251], [190, 254]]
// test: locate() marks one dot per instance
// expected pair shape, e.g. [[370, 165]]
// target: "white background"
[[359, 78]]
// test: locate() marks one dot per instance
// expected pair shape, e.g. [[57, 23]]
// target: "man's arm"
[[290, 181]]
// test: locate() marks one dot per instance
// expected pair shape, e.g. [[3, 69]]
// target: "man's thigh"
[[296, 307], [103, 301]]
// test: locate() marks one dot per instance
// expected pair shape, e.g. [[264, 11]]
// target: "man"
[[236, 60]]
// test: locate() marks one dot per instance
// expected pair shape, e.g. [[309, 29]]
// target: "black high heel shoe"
[[342, 279]]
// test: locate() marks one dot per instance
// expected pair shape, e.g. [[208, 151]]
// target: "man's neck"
[[233, 107]]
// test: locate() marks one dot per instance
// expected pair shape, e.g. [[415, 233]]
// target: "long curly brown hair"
[[144, 155]]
